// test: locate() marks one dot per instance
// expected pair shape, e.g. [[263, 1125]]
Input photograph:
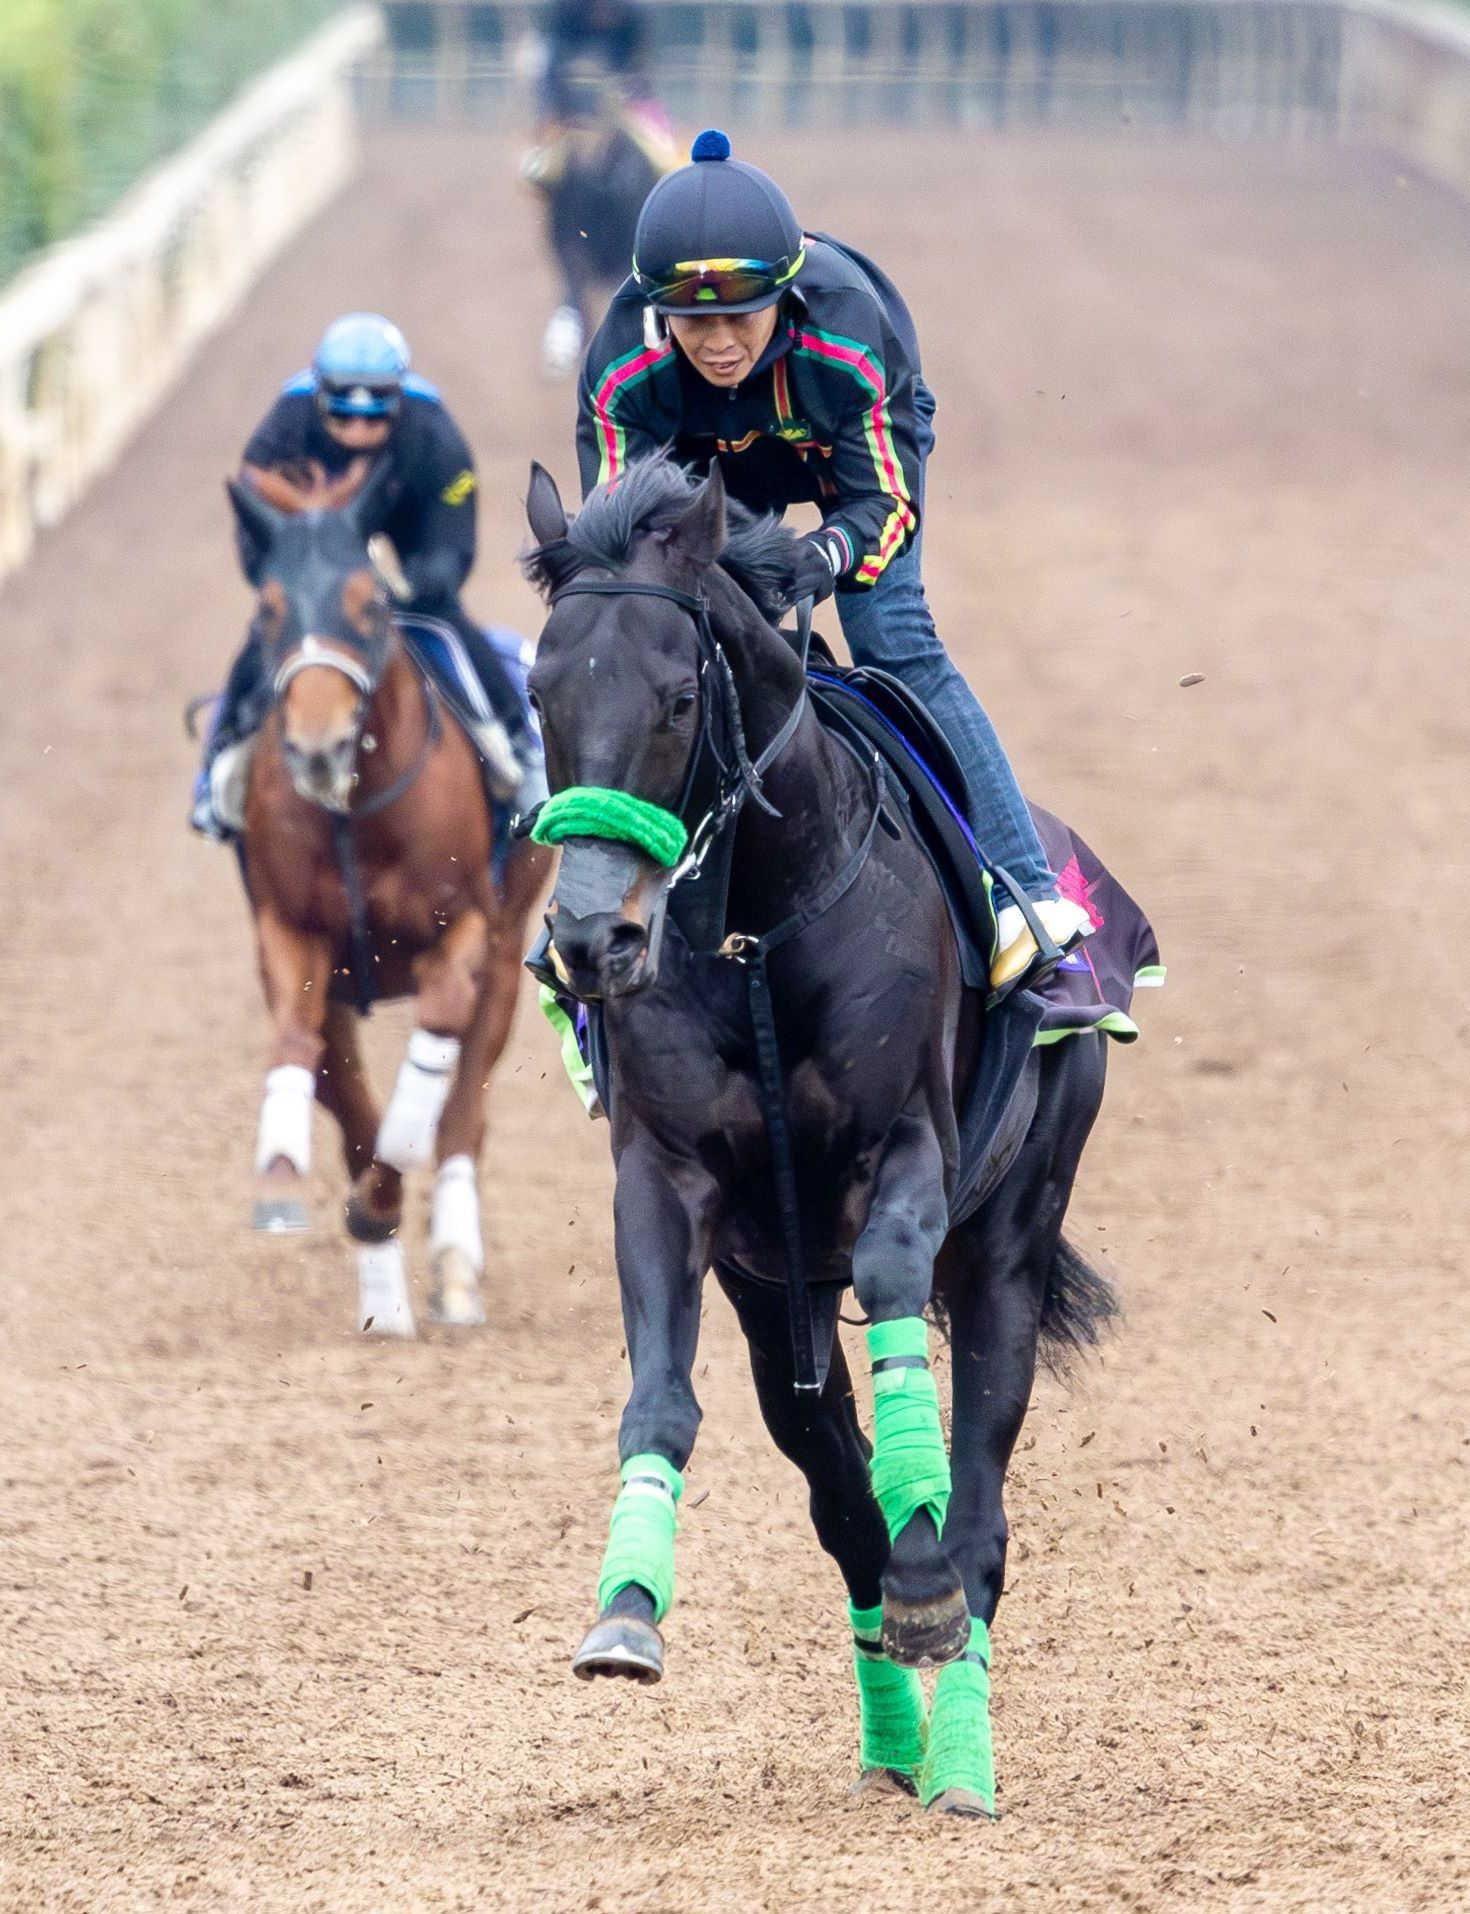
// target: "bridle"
[[738, 781]]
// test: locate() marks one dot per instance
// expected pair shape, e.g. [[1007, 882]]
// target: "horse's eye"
[[534, 699], [679, 706]]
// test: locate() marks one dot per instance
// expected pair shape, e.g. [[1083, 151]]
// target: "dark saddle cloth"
[[1090, 991]]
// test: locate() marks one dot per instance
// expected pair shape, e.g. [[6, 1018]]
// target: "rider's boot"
[[218, 807], [561, 345], [1020, 956]]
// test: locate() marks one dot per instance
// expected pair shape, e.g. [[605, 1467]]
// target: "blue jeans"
[[890, 626]]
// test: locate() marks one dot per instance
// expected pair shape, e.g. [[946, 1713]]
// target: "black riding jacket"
[[430, 516], [829, 414]]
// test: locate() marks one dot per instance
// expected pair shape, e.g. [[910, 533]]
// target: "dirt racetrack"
[[285, 1616]]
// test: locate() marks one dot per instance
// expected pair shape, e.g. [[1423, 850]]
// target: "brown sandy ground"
[[1202, 409]]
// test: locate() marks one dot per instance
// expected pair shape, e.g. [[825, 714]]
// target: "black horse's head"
[[322, 616], [628, 680]]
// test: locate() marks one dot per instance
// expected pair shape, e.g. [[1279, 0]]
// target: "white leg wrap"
[[411, 1121], [285, 1118], [454, 1220], [383, 1305]]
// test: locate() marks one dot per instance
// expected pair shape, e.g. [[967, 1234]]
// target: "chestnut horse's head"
[[323, 616]]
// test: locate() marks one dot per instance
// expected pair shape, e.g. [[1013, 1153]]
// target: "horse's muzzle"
[[601, 956], [604, 919], [323, 774]]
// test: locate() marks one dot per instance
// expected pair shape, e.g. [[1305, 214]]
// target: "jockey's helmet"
[[360, 367], [719, 234]]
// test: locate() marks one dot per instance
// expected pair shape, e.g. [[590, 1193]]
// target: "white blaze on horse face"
[[454, 1219], [411, 1121], [285, 1119]]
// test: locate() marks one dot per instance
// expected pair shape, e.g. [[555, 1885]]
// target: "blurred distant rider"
[[793, 361], [358, 400]]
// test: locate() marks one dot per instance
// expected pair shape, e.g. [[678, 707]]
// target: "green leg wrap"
[[640, 1536], [910, 1465], [891, 1700], [960, 1754]]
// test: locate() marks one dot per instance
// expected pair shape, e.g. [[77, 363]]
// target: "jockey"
[[359, 399], [596, 51], [793, 360]]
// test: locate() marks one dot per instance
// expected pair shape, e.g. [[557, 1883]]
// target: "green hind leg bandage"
[[640, 1535], [910, 1466], [960, 1754], [890, 1698]]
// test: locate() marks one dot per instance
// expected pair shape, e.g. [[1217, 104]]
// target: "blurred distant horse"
[[595, 175], [367, 855]]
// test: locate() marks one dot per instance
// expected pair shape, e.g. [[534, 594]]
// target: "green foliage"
[[92, 92]]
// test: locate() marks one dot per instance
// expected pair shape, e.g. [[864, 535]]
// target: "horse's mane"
[[652, 496]]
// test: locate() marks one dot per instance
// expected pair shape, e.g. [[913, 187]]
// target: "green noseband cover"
[[587, 810], [640, 1535]]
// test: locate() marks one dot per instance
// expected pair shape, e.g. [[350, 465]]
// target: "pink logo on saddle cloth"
[[1075, 888]]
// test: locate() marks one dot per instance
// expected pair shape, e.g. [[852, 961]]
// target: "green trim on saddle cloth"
[[640, 1534], [590, 810], [579, 1071], [910, 1465], [1114, 1024], [1150, 977], [890, 1700], [960, 1752]]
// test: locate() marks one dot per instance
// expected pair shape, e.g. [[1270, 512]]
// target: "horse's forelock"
[[652, 496]]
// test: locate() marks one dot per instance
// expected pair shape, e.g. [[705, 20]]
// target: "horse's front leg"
[[456, 1240], [663, 1213], [450, 980], [925, 1618], [294, 969]]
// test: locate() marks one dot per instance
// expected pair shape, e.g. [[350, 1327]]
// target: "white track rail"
[[94, 333]]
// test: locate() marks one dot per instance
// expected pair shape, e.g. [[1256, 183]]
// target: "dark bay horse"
[[367, 860], [831, 897], [603, 173]]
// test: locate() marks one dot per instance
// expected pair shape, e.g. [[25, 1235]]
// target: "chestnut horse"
[[367, 855]]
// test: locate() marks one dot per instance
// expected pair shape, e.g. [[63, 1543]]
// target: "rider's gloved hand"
[[815, 573]]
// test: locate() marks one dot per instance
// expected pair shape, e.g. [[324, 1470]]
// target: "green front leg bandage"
[[960, 1753], [890, 1700], [910, 1465], [640, 1536]]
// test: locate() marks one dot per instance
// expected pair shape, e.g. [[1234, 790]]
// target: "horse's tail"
[[1078, 1304]]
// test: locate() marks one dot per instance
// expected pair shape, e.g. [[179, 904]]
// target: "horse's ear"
[[258, 519], [700, 535], [544, 508]]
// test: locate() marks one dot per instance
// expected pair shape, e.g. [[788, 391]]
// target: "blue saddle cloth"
[[439, 652]]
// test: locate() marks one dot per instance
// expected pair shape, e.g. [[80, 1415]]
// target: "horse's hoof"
[[455, 1297], [965, 1803], [926, 1634], [279, 1215], [884, 1781], [621, 1645]]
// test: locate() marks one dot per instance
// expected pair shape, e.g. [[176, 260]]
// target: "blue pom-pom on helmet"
[[719, 234], [360, 367]]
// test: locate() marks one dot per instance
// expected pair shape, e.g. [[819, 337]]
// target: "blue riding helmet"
[[360, 367]]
